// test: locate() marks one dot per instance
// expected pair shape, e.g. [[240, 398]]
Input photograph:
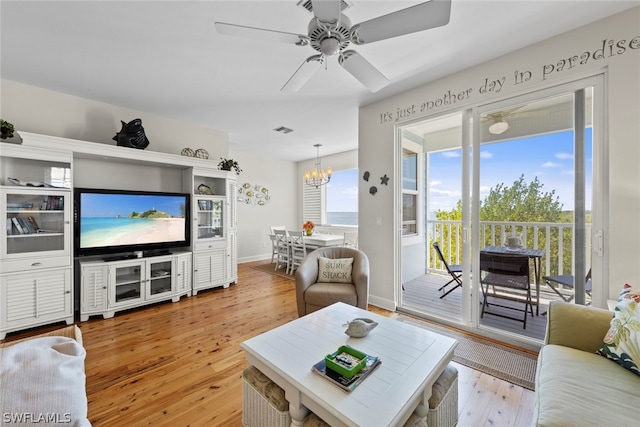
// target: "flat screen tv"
[[122, 221]]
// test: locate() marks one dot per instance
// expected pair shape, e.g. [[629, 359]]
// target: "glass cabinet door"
[[35, 222], [160, 278], [128, 283], [209, 218]]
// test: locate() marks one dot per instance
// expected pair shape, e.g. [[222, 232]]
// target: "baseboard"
[[262, 257], [389, 305]]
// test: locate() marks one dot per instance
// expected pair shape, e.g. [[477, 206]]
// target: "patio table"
[[535, 255]]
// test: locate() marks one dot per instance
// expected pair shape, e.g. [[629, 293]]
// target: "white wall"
[[377, 126], [280, 177], [46, 112]]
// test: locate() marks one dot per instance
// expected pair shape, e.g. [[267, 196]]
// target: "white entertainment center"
[[39, 275]]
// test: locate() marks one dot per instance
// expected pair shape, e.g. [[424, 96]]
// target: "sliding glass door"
[[524, 168]]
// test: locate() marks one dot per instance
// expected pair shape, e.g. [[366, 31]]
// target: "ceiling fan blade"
[[327, 10], [362, 70], [420, 17], [303, 73], [261, 34]]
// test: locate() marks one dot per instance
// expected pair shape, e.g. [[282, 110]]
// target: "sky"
[[342, 191], [548, 157], [110, 205]]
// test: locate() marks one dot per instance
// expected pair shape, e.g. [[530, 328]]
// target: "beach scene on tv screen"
[[130, 219]]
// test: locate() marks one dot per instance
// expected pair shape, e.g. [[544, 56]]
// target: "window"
[[342, 198], [411, 194]]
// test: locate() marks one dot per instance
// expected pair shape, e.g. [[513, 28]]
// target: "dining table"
[[318, 240], [323, 239], [535, 255]]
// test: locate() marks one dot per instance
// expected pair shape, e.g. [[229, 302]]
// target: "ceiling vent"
[[308, 6], [283, 129]]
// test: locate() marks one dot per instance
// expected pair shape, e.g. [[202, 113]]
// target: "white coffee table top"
[[412, 359]]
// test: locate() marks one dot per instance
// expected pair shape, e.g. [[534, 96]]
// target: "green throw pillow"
[[334, 270], [622, 342]]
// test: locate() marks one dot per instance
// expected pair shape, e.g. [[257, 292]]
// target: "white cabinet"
[[214, 227], [209, 269], [35, 298], [95, 284], [37, 223], [208, 220], [111, 286], [35, 238], [184, 274]]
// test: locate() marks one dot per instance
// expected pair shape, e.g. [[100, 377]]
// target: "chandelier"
[[317, 176]]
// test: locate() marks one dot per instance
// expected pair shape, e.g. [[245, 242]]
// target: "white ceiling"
[[165, 58]]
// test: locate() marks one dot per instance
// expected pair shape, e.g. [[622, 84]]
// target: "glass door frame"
[[471, 185]]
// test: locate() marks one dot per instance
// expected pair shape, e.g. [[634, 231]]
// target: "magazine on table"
[[346, 384]]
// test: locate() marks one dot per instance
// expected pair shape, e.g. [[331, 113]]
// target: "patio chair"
[[505, 274], [567, 280], [454, 270]]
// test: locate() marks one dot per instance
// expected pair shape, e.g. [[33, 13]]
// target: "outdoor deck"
[[422, 295]]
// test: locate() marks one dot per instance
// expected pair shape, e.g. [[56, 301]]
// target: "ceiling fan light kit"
[[498, 127], [330, 33]]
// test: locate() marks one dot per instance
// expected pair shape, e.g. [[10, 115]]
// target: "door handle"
[[598, 239]]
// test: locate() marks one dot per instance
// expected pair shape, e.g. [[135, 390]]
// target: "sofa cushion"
[[334, 270], [575, 387], [43, 379], [622, 342]]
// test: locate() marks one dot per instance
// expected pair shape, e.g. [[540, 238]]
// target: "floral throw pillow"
[[622, 342]]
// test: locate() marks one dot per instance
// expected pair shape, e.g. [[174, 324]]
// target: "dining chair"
[[350, 239], [508, 275], [274, 251], [455, 271], [567, 281], [297, 250], [282, 248]]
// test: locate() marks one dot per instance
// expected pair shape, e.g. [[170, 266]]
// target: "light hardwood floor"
[[180, 364]]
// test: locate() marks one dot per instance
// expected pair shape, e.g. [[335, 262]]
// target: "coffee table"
[[412, 360]]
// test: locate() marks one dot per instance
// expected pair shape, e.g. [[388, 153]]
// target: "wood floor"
[[180, 364]]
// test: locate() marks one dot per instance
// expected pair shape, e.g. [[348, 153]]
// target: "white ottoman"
[[264, 404], [263, 401]]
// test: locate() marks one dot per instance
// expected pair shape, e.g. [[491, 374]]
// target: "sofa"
[[575, 386], [43, 380]]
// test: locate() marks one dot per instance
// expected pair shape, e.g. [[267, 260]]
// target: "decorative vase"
[[309, 231]]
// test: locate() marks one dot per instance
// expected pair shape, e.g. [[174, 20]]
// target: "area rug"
[[503, 362], [269, 268]]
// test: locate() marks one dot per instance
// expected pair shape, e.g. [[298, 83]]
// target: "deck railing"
[[556, 239]]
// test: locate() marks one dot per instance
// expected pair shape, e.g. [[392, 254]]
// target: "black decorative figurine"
[[132, 135]]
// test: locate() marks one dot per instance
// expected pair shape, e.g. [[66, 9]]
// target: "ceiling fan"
[[330, 32], [498, 119]]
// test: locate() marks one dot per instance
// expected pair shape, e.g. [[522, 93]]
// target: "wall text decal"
[[607, 49]]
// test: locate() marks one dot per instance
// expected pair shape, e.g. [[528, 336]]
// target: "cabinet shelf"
[[33, 235]]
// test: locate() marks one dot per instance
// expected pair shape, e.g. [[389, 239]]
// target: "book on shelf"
[[25, 225], [17, 224], [33, 224], [344, 383]]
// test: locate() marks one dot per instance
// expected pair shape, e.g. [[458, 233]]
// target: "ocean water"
[[99, 232], [342, 218]]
